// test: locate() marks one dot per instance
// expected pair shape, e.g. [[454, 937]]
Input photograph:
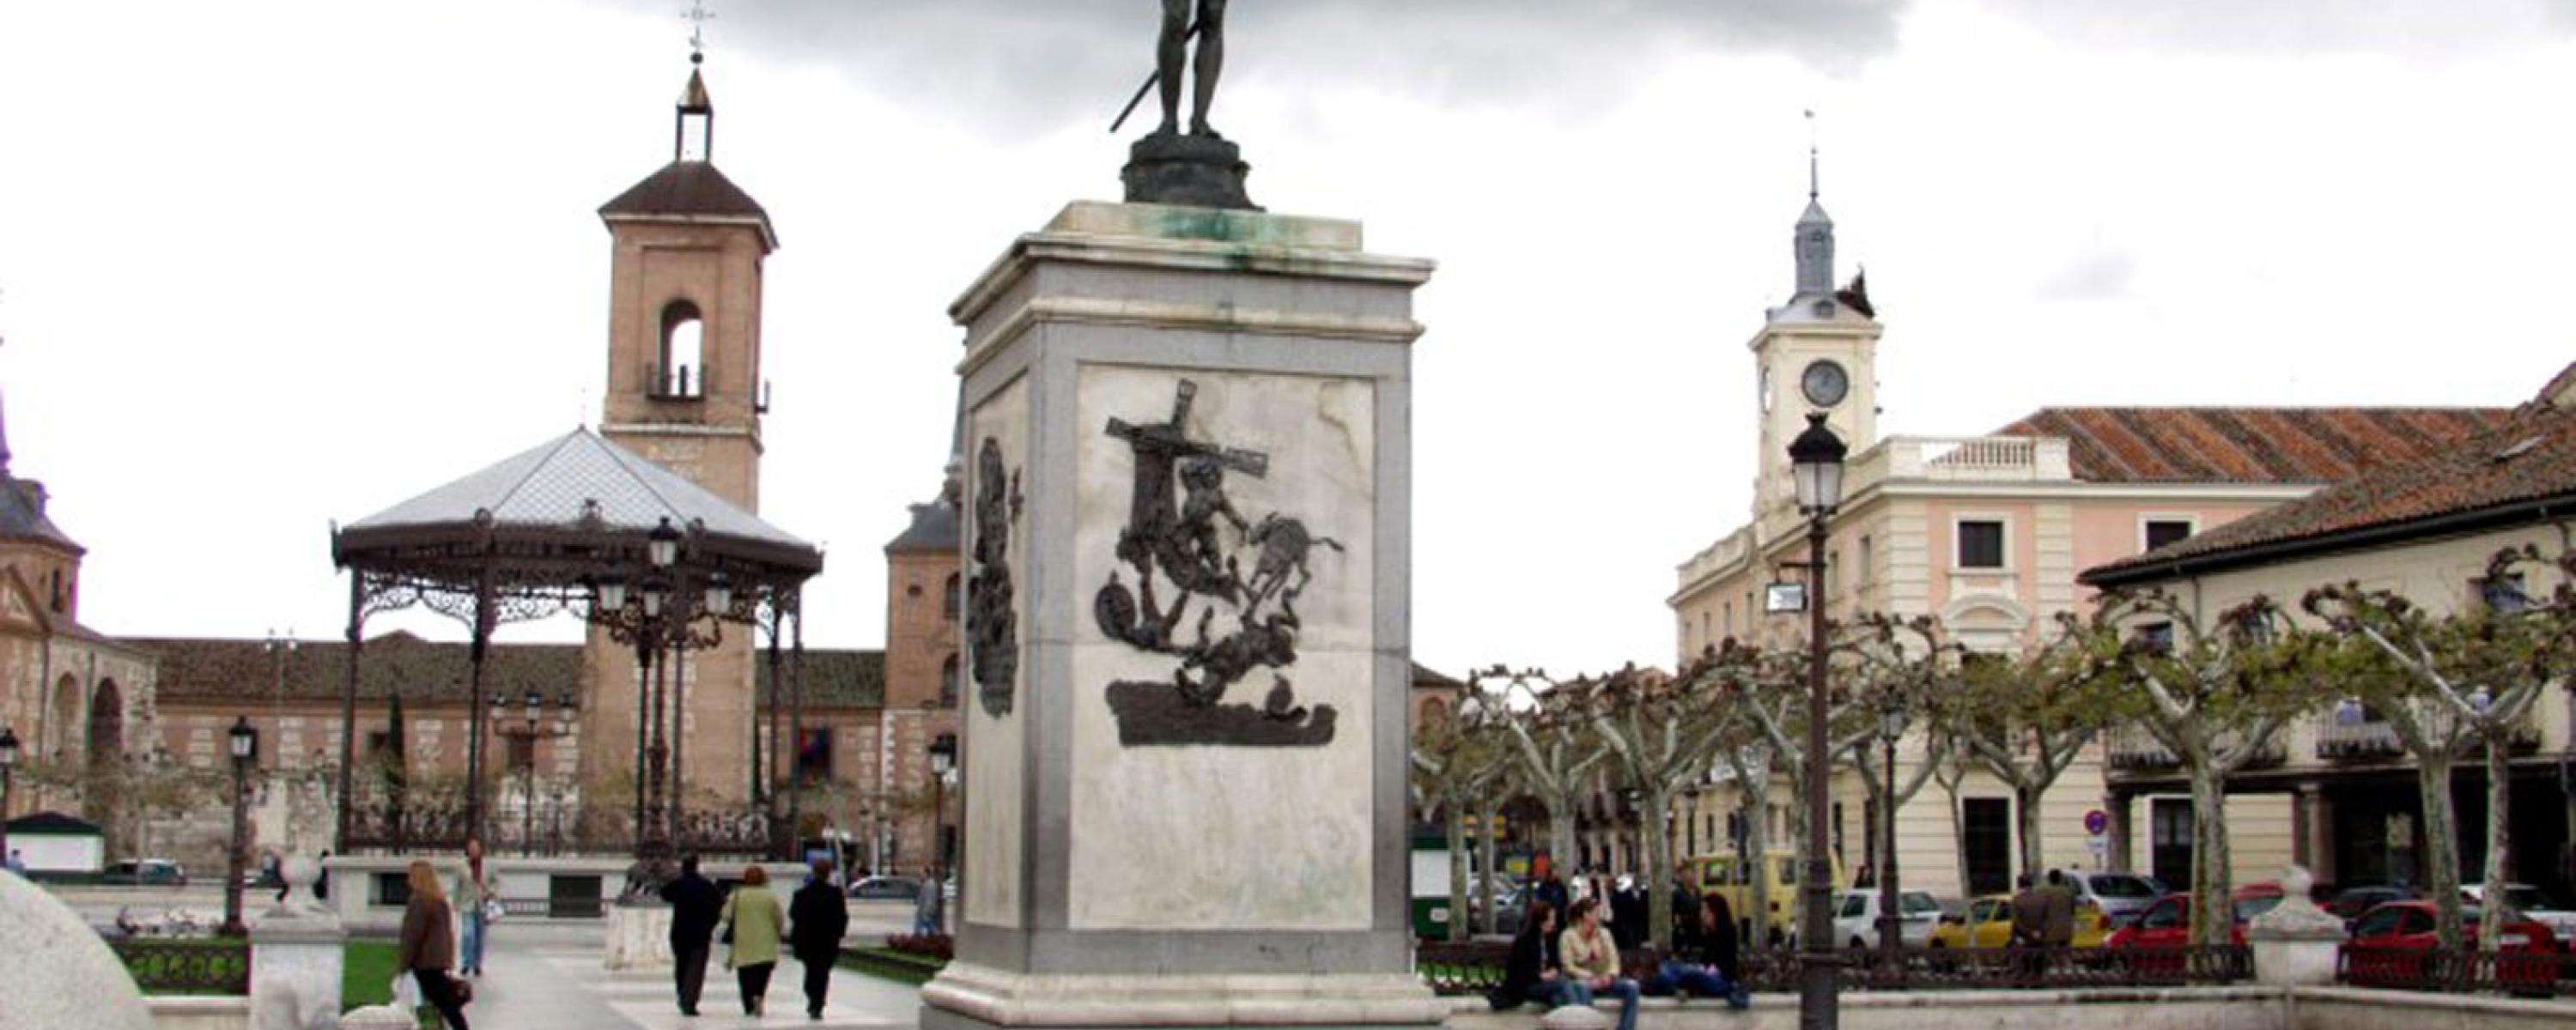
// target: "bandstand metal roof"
[[563, 499]]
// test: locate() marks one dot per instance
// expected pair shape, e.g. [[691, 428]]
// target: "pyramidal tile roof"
[[562, 481], [690, 190]]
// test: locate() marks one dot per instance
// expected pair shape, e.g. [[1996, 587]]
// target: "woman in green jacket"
[[753, 918]]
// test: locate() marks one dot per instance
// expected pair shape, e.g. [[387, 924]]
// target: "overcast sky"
[[270, 263]]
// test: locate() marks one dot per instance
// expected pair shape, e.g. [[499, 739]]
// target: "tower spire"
[[694, 131], [1813, 239]]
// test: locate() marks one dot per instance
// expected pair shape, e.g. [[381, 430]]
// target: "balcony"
[[2136, 750], [1964, 459], [2375, 740]]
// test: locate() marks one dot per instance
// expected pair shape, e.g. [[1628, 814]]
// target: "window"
[[1981, 544], [948, 682], [1989, 826], [379, 742], [2158, 636], [813, 754], [953, 599], [2505, 595], [523, 753], [2162, 532], [1860, 568], [1855, 904], [58, 592], [1730, 618], [680, 374]]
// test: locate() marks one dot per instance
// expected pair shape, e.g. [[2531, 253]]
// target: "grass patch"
[[188, 967], [367, 973], [889, 964]]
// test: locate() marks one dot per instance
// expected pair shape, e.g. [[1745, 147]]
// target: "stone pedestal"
[[1188, 449], [639, 937], [2296, 943], [1187, 171], [297, 951], [55, 972]]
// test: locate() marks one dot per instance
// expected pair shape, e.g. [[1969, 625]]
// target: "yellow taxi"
[[1988, 924]]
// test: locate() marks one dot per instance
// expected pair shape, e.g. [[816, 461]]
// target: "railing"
[[1968, 459], [597, 830], [2538, 974], [2358, 741], [181, 966], [2136, 749], [1477, 968]]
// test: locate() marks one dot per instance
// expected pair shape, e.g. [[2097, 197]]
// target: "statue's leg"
[[1211, 63], [1169, 56]]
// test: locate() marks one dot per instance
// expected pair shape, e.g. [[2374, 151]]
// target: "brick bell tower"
[[685, 391]]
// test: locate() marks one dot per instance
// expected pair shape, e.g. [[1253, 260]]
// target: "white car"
[[2527, 900], [1856, 918]]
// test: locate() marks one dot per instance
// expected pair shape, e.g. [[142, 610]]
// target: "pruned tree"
[[1661, 732], [1903, 663], [1555, 741], [2212, 694], [2026, 718], [2448, 684], [1458, 759]]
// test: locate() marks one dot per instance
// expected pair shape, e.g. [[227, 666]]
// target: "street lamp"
[[943, 757], [1891, 920], [533, 709], [1816, 465], [245, 744], [8, 772]]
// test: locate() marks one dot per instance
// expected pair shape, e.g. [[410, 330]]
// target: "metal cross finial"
[[1811, 154], [697, 16]]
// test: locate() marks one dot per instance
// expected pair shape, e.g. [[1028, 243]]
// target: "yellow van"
[[1724, 876]]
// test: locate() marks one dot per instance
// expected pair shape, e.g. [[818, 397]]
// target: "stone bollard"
[[297, 950], [2296, 944], [379, 1017]]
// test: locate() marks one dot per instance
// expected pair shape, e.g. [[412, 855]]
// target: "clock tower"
[[1816, 353]]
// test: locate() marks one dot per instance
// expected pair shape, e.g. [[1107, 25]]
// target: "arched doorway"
[[100, 802]]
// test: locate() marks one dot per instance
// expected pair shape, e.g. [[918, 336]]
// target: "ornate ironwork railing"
[[600, 829], [185, 966], [2358, 741], [2539, 974], [1477, 968]]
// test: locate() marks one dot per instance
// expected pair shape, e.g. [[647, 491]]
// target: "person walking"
[[695, 906], [821, 915], [928, 920], [1590, 959], [427, 945], [473, 894], [752, 917]]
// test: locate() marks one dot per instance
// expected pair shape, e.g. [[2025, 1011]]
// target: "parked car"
[[1988, 924], [1511, 901], [2526, 900], [2394, 943], [2119, 895], [1856, 915], [2167, 923], [147, 872], [2350, 902], [886, 888]]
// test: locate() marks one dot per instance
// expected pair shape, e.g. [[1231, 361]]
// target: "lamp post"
[[245, 744], [1816, 463], [1891, 919], [536, 728], [8, 773], [943, 757]]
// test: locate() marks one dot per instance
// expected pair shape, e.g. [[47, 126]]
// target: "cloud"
[[2097, 274], [1022, 65], [2405, 27]]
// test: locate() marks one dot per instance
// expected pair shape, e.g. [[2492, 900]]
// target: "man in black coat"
[[695, 903], [820, 914]]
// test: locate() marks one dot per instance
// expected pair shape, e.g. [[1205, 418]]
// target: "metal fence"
[[2535, 974], [165, 965], [1477, 968]]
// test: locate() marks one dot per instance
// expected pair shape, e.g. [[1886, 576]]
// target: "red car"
[[2167, 923], [2394, 942]]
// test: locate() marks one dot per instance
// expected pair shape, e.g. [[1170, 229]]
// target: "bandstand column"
[[349, 705]]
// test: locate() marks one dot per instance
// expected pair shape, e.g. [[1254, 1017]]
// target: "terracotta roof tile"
[[2520, 456], [689, 189], [2247, 445], [201, 670]]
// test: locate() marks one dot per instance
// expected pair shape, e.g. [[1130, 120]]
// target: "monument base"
[[1187, 171], [971, 997], [639, 937]]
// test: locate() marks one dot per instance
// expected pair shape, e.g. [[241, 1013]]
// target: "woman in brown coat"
[[428, 948]]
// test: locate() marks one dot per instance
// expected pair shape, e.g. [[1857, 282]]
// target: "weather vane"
[[697, 16]]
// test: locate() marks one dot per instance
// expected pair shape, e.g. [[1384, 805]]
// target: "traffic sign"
[[2097, 822]]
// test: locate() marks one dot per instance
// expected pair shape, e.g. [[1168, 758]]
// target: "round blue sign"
[[2097, 822]]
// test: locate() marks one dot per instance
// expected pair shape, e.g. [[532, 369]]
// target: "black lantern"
[[662, 545], [943, 754], [1816, 459], [245, 740], [719, 594]]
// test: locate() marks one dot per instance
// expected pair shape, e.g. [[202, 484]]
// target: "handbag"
[[462, 988], [493, 912], [406, 992]]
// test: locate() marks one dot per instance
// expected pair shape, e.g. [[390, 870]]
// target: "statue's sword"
[[1151, 78]]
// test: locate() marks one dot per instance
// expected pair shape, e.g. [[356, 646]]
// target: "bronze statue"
[[1178, 27]]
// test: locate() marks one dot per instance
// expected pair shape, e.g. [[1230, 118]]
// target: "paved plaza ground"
[[550, 976]]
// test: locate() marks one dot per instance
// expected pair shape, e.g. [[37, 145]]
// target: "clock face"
[[1825, 383]]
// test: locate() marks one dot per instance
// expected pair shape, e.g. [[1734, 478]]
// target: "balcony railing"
[[1965, 459], [2136, 749], [2374, 740]]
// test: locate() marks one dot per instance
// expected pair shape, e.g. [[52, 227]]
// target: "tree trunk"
[[1456, 833], [1959, 839], [1488, 812], [2441, 848], [2026, 814], [1657, 875], [2499, 841], [2213, 912], [1754, 869], [1560, 837], [1796, 810]]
